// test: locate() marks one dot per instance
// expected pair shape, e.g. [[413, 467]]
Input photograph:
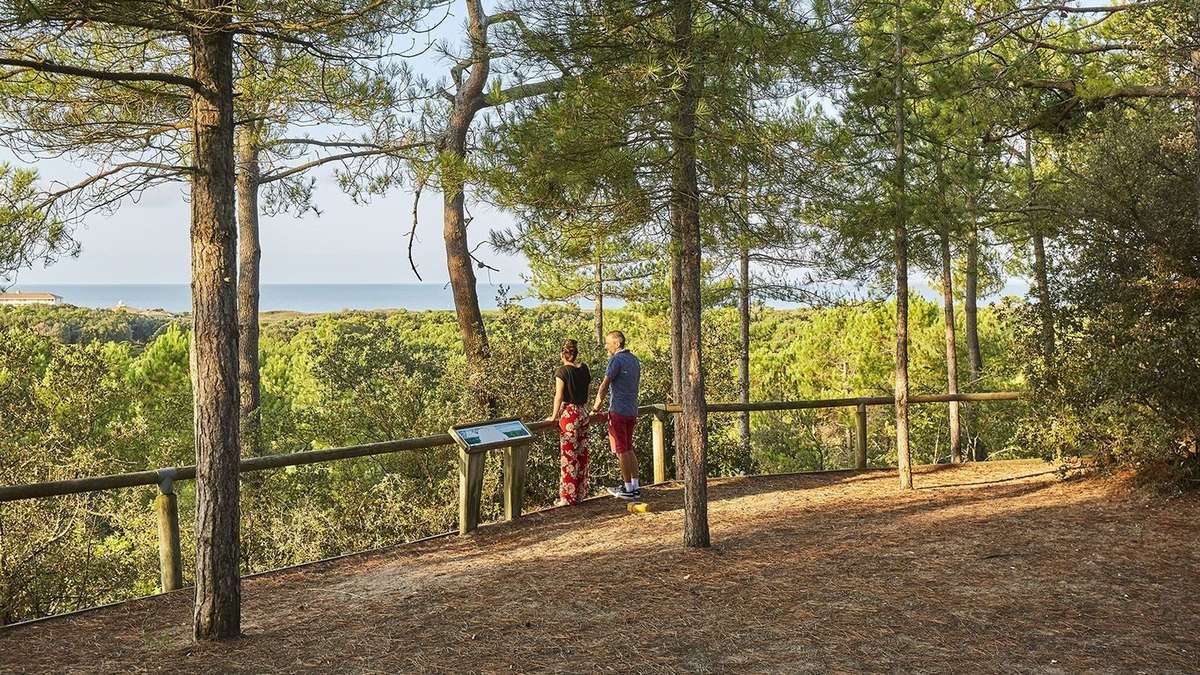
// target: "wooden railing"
[[470, 466], [861, 404]]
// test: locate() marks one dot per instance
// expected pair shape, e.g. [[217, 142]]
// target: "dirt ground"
[[985, 568]]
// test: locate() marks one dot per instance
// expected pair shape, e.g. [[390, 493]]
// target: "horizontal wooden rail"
[[860, 404], [10, 493], [848, 402], [58, 488], [123, 480]]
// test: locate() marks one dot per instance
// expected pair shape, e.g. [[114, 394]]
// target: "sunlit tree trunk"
[[685, 194], [676, 343], [1045, 308], [599, 310], [971, 323], [249, 255], [744, 354], [1041, 266], [903, 457], [1196, 109], [956, 455], [468, 101], [214, 353], [971, 300]]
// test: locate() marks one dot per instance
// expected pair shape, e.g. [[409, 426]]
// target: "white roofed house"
[[29, 299]]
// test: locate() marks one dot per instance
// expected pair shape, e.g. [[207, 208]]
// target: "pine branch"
[[104, 75], [280, 175], [1126, 91]]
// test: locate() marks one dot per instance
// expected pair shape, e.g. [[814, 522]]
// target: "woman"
[[571, 383]]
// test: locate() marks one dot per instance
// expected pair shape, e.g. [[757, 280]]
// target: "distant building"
[[29, 299]]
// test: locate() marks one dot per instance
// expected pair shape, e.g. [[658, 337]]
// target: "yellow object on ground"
[[639, 507]]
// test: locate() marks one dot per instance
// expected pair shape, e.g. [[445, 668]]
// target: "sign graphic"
[[491, 434]]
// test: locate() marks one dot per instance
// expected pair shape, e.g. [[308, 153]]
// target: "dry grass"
[[985, 569]]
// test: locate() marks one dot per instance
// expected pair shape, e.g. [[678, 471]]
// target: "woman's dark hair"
[[570, 350]]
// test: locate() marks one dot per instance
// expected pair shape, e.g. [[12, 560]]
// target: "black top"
[[576, 381]]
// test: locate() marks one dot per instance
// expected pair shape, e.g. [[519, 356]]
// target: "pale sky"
[[147, 242]]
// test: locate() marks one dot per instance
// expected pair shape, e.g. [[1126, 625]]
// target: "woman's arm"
[[558, 398]]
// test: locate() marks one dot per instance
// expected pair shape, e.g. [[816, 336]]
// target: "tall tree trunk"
[[1045, 309], [971, 299], [903, 456], [214, 353], [249, 255], [686, 196], [1040, 265], [971, 321], [466, 297], [676, 340], [744, 354], [599, 297], [468, 101], [1196, 109], [956, 455]]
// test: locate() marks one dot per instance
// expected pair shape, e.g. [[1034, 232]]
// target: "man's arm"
[[600, 394]]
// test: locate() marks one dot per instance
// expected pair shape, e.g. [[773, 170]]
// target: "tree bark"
[[971, 321], [468, 101], [956, 454], [249, 255], [686, 197], [1040, 267], [1196, 110], [1045, 309], [744, 355], [599, 297], [676, 341], [214, 353], [903, 456], [971, 300]]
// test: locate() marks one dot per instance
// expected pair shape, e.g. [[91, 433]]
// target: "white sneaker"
[[621, 493]]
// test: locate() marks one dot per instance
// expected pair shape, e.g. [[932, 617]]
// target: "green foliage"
[[67, 412], [1124, 383], [69, 324], [28, 234]]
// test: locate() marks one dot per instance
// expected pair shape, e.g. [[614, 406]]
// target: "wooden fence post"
[[515, 465], [470, 489], [860, 444], [658, 433], [166, 504]]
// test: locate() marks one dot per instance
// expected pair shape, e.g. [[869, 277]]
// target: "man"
[[621, 380]]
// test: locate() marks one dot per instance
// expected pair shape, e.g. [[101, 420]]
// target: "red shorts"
[[620, 432]]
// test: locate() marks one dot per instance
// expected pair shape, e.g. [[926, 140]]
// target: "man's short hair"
[[619, 335]]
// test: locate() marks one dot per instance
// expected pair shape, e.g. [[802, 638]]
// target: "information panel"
[[491, 434]]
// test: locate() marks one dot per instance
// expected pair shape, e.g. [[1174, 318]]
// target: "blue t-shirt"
[[624, 373]]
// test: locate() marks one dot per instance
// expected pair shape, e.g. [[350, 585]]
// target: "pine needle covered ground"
[[986, 568]]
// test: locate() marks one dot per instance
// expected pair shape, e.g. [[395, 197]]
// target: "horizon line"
[[264, 283]]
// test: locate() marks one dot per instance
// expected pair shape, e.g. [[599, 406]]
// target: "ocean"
[[293, 297], [337, 297]]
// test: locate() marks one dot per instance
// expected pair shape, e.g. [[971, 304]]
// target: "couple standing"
[[572, 381]]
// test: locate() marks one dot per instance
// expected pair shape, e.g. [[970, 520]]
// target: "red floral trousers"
[[573, 428]]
